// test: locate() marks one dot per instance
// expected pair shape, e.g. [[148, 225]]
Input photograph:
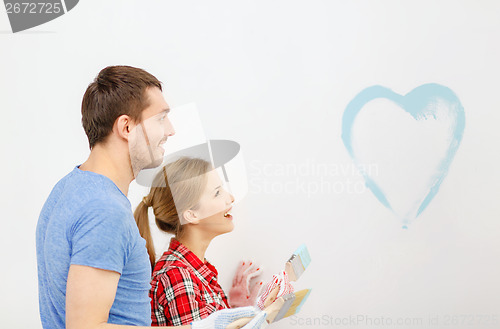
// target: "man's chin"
[[137, 166], [156, 163]]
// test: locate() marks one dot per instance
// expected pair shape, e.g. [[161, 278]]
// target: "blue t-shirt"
[[87, 220]]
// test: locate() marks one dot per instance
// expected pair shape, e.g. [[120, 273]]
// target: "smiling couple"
[[94, 268]]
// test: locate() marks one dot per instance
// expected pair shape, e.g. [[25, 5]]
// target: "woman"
[[189, 202]]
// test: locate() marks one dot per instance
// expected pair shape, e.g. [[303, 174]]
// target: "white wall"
[[276, 77]]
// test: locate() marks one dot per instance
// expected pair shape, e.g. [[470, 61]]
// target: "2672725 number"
[[33, 8]]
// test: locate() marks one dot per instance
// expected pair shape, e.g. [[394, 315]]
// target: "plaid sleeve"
[[177, 299]]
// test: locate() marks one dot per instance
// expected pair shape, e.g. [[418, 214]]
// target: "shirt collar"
[[205, 269]]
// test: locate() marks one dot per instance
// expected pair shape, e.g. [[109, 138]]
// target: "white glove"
[[280, 280], [221, 319]]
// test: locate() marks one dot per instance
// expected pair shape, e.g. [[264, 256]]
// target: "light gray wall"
[[276, 77]]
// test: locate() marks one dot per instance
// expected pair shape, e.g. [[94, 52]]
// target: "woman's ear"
[[190, 216]]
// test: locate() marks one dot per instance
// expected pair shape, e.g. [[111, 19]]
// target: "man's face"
[[147, 137]]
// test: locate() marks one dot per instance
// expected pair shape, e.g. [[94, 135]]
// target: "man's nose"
[[169, 128]]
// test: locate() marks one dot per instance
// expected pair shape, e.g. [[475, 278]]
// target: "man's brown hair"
[[117, 90]]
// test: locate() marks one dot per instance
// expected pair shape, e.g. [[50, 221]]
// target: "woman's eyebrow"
[[218, 187]]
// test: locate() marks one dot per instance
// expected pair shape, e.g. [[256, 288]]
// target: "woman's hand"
[[279, 286], [244, 292]]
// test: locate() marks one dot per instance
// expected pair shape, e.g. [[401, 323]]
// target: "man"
[[93, 268]]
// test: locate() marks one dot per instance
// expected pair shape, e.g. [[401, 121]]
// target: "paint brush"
[[292, 304], [294, 268], [298, 263], [283, 307]]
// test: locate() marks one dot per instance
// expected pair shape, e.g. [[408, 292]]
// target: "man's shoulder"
[[90, 185], [80, 190], [84, 199]]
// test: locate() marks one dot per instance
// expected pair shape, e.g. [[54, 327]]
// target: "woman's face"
[[213, 211]]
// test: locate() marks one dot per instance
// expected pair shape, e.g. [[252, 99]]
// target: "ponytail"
[[142, 221]]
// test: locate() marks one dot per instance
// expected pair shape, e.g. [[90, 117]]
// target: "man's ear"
[[123, 126], [190, 216]]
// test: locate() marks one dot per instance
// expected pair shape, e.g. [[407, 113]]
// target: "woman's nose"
[[231, 197]]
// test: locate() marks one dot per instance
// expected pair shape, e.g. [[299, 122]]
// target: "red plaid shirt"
[[183, 288]]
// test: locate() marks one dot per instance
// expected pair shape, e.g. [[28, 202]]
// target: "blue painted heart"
[[421, 103]]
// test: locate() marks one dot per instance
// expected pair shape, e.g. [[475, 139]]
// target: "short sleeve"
[[182, 297], [100, 238]]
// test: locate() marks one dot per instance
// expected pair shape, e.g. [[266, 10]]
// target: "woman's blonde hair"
[[176, 188]]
